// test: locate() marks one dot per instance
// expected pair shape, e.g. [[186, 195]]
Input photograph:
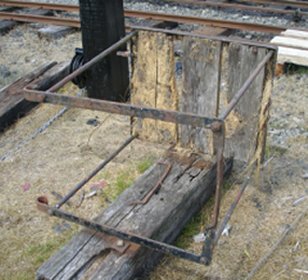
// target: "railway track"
[[73, 22], [287, 9], [289, 6], [288, 3]]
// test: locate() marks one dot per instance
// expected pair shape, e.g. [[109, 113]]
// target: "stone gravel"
[[161, 6]]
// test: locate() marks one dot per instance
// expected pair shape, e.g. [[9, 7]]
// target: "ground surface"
[[70, 148]]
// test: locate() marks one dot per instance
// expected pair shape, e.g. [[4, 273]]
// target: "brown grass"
[[70, 149]]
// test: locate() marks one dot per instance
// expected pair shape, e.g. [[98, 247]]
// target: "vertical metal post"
[[102, 25]]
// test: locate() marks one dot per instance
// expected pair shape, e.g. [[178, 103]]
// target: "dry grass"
[[70, 149], [55, 161]]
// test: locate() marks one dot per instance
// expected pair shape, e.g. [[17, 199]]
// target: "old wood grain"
[[238, 61], [182, 194], [153, 84], [201, 66]]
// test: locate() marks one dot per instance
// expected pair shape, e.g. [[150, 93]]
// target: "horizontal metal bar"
[[206, 21], [237, 97], [40, 5], [120, 108], [297, 3], [93, 61], [210, 37], [73, 191], [241, 7], [42, 19], [130, 237]]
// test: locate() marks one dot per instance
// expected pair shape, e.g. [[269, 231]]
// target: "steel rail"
[[40, 5], [242, 7], [295, 4], [152, 16], [41, 19], [209, 37], [206, 21], [75, 8]]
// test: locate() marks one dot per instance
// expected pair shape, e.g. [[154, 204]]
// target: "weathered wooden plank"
[[12, 103], [290, 42], [182, 194], [153, 84], [292, 55], [295, 34], [201, 67], [54, 32], [238, 61], [6, 26]]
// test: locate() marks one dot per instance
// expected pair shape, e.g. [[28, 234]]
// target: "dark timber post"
[[102, 24]]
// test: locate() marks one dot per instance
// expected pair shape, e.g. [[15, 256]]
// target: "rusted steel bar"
[[232, 207], [40, 5], [236, 98], [206, 21], [219, 142], [294, 4], [210, 37], [73, 191], [42, 204], [241, 7], [147, 197], [120, 108], [93, 61], [42, 19], [154, 16]]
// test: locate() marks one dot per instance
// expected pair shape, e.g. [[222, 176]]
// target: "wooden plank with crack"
[[187, 187], [12, 103], [242, 125], [153, 84], [201, 79]]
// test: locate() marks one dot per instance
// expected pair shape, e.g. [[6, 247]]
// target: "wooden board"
[[153, 85], [290, 55], [295, 33], [238, 62], [189, 184], [12, 103], [290, 42], [52, 32], [293, 47], [212, 73], [201, 74], [6, 26]]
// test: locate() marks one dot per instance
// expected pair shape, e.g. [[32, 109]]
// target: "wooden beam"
[[102, 25], [13, 105], [189, 184]]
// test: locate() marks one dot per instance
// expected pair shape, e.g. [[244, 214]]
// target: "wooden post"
[[102, 24]]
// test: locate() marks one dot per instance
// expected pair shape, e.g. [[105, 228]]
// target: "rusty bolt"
[[216, 126]]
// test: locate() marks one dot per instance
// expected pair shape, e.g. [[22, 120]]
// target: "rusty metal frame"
[[217, 125]]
